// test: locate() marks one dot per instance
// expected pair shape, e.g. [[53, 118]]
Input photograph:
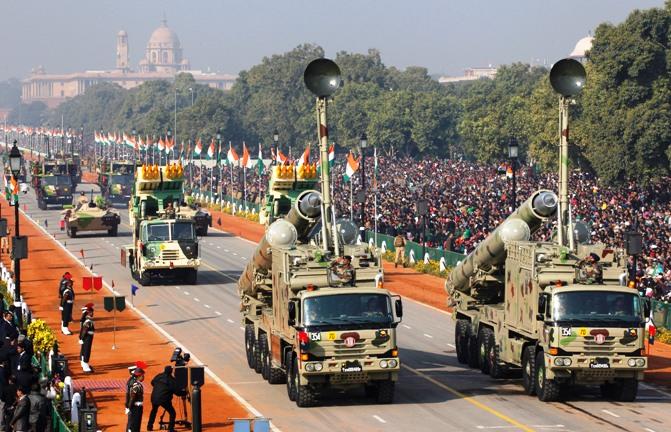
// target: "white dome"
[[163, 37], [583, 45]]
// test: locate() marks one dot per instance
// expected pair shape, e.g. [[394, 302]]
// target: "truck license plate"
[[351, 367], [599, 363]]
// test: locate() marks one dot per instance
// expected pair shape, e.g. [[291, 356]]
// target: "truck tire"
[[291, 378], [275, 375], [144, 279], [483, 349], [546, 390], [461, 340], [265, 356], [72, 232], [305, 395], [623, 390], [473, 356], [385, 392], [250, 343], [529, 370], [496, 370], [258, 364], [191, 276]]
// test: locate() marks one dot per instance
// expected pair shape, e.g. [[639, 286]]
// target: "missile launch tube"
[[523, 222], [296, 226]]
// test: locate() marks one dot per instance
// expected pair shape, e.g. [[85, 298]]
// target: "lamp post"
[[81, 140], [133, 133], [15, 166], [513, 154], [276, 139], [167, 154], [191, 90], [363, 143]]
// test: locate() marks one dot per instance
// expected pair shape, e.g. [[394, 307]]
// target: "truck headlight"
[[567, 361], [384, 364], [640, 362], [310, 367], [318, 367], [392, 363], [631, 362], [562, 361]]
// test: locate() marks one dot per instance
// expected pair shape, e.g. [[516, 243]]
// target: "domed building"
[[581, 47], [164, 52]]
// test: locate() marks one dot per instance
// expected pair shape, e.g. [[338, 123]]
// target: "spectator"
[[40, 411]]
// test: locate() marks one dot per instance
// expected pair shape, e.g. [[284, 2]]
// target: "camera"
[[180, 358]]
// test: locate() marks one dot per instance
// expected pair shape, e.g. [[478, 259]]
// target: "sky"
[[445, 36]]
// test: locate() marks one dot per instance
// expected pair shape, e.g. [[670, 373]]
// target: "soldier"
[[590, 269], [67, 302], [342, 268], [170, 211], [399, 245], [86, 338], [63, 284], [135, 400]]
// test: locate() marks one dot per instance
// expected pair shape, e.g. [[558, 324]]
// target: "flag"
[[281, 158], [352, 167], [210, 150], [169, 145], [245, 156], [509, 172], [134, 289], [232, 155], [161, 145], [199, 147], [259, 162], [305, 157], [81, 252], [331, 155]]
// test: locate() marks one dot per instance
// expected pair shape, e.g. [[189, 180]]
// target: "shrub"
[[663, 335], [42, 336]]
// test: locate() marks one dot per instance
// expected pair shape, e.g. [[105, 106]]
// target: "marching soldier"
[[67, 302], [86, 337], [134, 401], [399, 245]]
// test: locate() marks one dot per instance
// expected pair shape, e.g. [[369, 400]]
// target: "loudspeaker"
[[20, 247], [182, 377], [197, 375], [633, 242], [322, 77], [3, 227], [567, 77], [422, 207]]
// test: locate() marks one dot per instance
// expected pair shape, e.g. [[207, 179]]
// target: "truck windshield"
[[122, 179], [596, 306], [344, 309], [158, 232], [182, 231], [56, 180]]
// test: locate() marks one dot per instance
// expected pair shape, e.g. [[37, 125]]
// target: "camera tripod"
[[182, 418]]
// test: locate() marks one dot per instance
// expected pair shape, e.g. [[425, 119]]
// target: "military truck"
[[315, 313], [52, 184], [200, 216], [115, 179], [165, 244], [87, 216], [74, 169], [558, 311]]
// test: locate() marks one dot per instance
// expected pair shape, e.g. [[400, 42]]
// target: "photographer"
[[164, 387]]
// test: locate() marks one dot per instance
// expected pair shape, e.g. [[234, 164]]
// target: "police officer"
[[164, 387], [67, 302], [134, 401], [86, 337]]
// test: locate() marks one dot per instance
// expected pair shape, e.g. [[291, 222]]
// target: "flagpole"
[[230, 163], [200, 180], [375, 196], [351, 209]]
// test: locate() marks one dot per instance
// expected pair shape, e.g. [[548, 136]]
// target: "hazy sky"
[[445, 36]]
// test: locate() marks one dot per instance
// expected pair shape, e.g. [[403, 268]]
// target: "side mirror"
[[542, 305], [292, 313], [646, 307], [399, 308]]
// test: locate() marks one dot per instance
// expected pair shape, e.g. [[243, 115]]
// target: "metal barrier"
[[451, 258], [661, 314], [227, 198], [57, 422]]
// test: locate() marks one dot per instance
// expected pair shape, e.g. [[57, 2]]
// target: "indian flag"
[[232, 155], [12, 190], [199, 147], [161, 145], [245, 162], [210, 149], [305, 157], [351, 168], [331, 155]]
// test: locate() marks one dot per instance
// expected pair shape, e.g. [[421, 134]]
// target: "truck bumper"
[[179, 264], [55, 199], [119, 199], [343, 373], [595, 369]]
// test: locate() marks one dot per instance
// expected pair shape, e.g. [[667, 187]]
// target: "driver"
[[619, 307], [315, 311], [374, 307]]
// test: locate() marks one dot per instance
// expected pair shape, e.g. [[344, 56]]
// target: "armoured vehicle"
[[558, 310], [165, 244], [314, 310], [200, 216], [90, 217], [52, 184], [115, 179]]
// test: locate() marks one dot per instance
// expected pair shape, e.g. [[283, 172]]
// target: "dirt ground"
[[135, 339], [429, 290]]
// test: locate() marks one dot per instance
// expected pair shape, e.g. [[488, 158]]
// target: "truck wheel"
[[496, 371], [461, 340], [258, 364], [483, 349], [250, 342], [291, 376], [385, 392], [529, 370], [73, 232], [473, 356], [624, 390], [546, 390], [277, 375], [192, 276], [265, 356], [144, 279], [305, 395]]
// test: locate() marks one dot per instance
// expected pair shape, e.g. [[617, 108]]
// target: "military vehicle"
[[90, 217], [74, 169], [116, 179], [200, 216], [541, 307], [314, 310], [165, 244], [52, 184]]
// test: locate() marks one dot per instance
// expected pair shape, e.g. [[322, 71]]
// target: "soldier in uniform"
[[399, 245], [63, 284], [135, 401], [86, 337], [342, 268], [67, 302], [590, 270], [170, 211]]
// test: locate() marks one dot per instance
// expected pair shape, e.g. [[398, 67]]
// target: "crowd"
[[467, 201]]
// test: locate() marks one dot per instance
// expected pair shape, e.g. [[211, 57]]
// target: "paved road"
[[434, 393]]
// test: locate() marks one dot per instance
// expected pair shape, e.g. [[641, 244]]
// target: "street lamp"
[[363, 143], [169, 134], [191, 90], [19, 246], [513, 154], [276, 139]]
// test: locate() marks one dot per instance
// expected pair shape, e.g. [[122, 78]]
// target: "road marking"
[[225, 250], [186, 293], [196, 299], [230, 320], [428, 335], [406, 326], [218, 313], [218, 247], [450, 345], [469, 399], [650, 430], [207, 306], [242, 328], [234, 253], [610, 413], [380, 419], [177, 287]]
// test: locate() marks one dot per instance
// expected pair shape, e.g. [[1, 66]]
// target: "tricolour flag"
[[199, 147], [232, 155], [161, 144], [305, 157], [331, 155], [210, 150], [281, 158], [352, 167], [245, 156], [169, 144]]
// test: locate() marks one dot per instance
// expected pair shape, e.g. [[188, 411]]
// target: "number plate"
[[351, 367], [599, 363]]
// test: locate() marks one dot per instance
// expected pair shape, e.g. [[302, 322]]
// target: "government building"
[[163, 60]]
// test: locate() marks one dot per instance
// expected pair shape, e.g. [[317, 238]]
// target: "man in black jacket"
[[39, 410], [21, 420], [164, 387]]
